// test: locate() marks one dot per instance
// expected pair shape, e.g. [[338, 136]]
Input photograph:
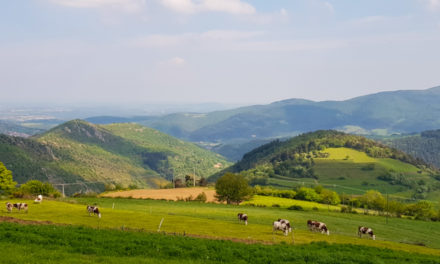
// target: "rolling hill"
[[78, 152], [343, 162]]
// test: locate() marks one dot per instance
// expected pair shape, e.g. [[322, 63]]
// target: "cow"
[[19, 206], [39, 198], [242, 217], [9, 206], [311, 225], [93, 210], [362, 230], [318, 226], [283, 225]]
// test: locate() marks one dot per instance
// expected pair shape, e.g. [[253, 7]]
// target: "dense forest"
[[425, 145]]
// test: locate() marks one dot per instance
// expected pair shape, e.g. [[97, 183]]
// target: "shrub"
[[296, 208], [35, 187], [275, 205], [307, 194], [201, 197]]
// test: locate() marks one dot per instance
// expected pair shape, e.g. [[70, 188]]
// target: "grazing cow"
[[9, 206], [366, 231], [242, 217], [283, 225], [318, 226], [93, 210], [39, 198], [311, 225], [20, 206]]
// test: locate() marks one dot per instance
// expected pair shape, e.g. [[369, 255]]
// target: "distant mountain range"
[[403, 111], [78, 152], [14, 129]]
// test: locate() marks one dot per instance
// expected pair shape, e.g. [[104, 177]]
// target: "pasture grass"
[[219, 221], [68, 244], [349, 171]]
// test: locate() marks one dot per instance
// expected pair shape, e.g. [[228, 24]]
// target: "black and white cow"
[[318, 226], [362, 230], [19, 206], [93, 210], [283, 225], [242, 217]]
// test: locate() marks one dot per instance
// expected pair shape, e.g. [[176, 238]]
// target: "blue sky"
[[228, 51]]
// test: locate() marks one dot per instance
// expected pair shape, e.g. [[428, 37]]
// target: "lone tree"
[[232, 188], [6, 182]]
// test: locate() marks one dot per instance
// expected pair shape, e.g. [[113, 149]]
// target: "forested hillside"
[[338, 159], [123, 154], [425, 145]]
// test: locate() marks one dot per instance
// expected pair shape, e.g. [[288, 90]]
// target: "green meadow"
[[350, 171], [69, 244], [218, 221]]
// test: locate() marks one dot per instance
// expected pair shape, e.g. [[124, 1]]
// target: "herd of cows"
[[284, 226], [281, 224]]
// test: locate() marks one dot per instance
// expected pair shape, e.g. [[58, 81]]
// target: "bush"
[[296, 208], [276, 205], [35, 187], [201, 197], [307, 194]]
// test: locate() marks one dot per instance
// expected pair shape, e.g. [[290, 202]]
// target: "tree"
[[374, 200], [330, 197], [232, 188], [6, 182], [307, 194]]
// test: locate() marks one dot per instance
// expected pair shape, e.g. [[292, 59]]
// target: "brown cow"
[[366, 231], [318, 226], [93, 210], [242, 217]]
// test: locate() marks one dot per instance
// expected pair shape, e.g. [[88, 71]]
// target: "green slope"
[[124, 154], [346, 163]]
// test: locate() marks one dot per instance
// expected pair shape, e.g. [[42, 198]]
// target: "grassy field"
[[219, 221], [67, 244], [346, 171]]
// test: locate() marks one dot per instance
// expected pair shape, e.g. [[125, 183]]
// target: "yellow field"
[[167, 194]]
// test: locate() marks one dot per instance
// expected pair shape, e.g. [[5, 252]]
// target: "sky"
[[225, 51]]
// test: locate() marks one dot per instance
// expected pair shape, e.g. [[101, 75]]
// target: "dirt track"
[[168, 194]]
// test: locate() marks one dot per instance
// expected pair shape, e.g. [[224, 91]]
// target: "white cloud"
[[177, 61], [235, 7], [283, 12], [129, 6], [433, 5], [329, 7]]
